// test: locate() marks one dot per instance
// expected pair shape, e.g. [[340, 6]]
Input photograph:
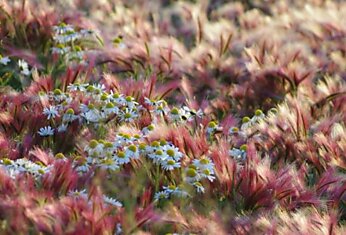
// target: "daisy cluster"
[[67, 40], [23, 66], [87, 104], [194, 174], [23, 165], [244, 131], [84, 194], [92, 104], [126, 148], [110, 155]]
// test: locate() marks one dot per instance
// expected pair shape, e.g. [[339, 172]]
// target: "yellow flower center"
[[245, 119], [59, 155], [133, 148], [170, 152], [175, 111], [121, 154], [191, 172], [93, 144]]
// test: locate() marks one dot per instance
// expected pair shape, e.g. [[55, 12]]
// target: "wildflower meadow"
[[173, 117]]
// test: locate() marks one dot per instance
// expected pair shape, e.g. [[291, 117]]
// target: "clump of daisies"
[[23, 165], [164, 154], [94, 106], [248, 122], [199, 170], [68, 42], [238, 153]]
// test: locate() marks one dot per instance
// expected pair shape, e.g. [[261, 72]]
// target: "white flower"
[[51, 112], [83, 168], [128, 115], [99, 88], [112, 201], [69, 117], [175, 191], [65, 38], [78, 193], [199, 187], [63, 28], [108, 164], [132, 151], [207, 173], [237, 154], [175, 114], [92, 116], [118, 99], [188, 114], [122, 139], [109, 108], [118, 230], [46, 131], [122, 158], [203, 163], [130, 102], [173, 152], [60, 50], [77, 87], [169, 164], [4, 60], [76, 55], [147, 129], [23, 66], [94, 148], [337, 131], [62, 127], [158, 156], [161, 195], [191, 174], [246, 123], [259, 115], [24, 165]]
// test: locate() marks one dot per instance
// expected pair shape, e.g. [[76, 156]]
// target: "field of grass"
[[173, 117]]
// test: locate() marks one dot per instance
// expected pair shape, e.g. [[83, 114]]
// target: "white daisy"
[[191, 174], [78, 193], [63, 28], [4, 60], [172, 152], [51, 112], [93, 115], [77, 87], [108, 164], [112, 201], [117, 98], [161, 195], [82, 168], [94, 148], [170, 164], [237, 154], [23, 66], [132, 151], [175, 114], [203, 163], [62, 127], [158, 156], [128, 115], [46, 131], [122, 158], [110, 108], [199, 187], [60, 50]]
